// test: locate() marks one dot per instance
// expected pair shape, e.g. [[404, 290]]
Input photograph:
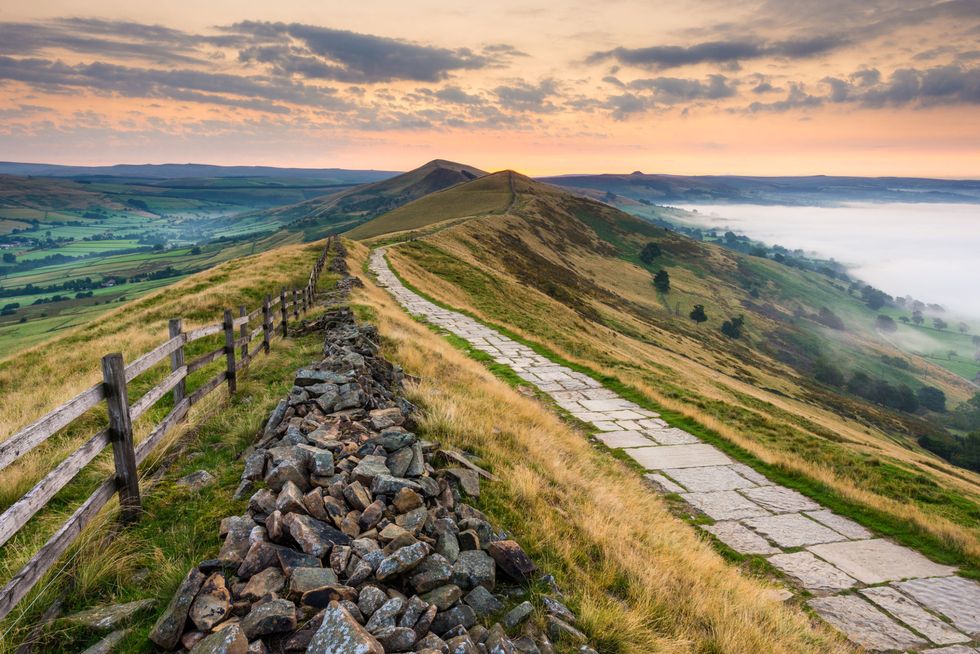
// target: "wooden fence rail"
[[119, 432]]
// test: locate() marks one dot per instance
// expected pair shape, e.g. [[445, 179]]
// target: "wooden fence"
[[119, 432]]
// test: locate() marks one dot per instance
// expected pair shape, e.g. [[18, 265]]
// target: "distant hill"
[[814, 190], [489, 194], [351, 207], [181, 171]]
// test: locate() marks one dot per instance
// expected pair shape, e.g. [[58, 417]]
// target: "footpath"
[[883, 596]]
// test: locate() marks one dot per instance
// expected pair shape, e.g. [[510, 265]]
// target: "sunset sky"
[[757, 87]]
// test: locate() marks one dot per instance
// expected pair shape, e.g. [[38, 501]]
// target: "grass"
[[179, 528], [41, 378], [790, 446], [640, 579]]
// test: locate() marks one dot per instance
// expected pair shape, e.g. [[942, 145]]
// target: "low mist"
[[928, 251]]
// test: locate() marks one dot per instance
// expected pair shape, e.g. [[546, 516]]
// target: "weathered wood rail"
[[119, 432]]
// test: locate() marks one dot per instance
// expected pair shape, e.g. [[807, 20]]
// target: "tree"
[[650, 252], [662, 281], [827, 373], [932, 398], [885, 324], [732, 328], [939, 324], [698, 315], [9, 257], [904, 319], [917, 317], [830, 319]]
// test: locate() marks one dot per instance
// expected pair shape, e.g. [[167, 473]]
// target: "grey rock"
[[431, 573], [255, 466], [468, 480], [313, 536], [369, 468], [518, 614], [106, 618], [290, 499], [474, 568], [339, 633], [402, 560], [386, 484], [482, 601], [385, 615], [370, 600], [169, 627], [445, 596], [460, 615], [230, 640], [109, 643], [269, 581], [322, 463], [557, 609], [512, 559], [399, 461], [272, 617], [304, 580], [357, 496], [462, 645], [212, 604], [431, 642], [559, 631], [396, 639], [196, 480]]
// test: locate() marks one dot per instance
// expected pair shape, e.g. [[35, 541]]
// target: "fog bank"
[[929, 251]]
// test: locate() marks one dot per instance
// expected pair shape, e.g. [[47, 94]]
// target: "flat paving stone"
[[724, 505], [710, 478], [750, 474], [914, 615], [672, 436], [863, 624], [606, 425], [793, 530], [667, 485], [740, 538], [839, 524], [616, 439], [606, 405], [666, 457], [952, 649], [781, 500], [811, 572], [878, 560], [954, 597]]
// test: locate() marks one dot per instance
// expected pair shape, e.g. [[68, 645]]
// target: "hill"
[[812, 190], [346, 209], [795, 387], [182, 171]]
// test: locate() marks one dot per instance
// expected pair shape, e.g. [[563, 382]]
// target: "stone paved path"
[[905, 602]]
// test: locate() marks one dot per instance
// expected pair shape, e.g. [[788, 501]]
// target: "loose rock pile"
[[353, 541]]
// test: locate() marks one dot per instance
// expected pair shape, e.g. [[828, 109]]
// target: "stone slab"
[[878, 560], [665, 484], [750, 474], [625, 414], [781, 500], [863, 624], [840, 524], [671, 436], [710, 478], [811, 572], [666, 457], [740, 538], [616, 439], [724, 505], [607, 405], [954, 597], [952, 649], [793, 530], [914, 615]]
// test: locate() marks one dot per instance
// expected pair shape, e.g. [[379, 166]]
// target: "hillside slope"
[[346, 209], [565, 271]]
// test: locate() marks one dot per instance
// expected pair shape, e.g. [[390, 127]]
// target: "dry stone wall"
[[355, 539]]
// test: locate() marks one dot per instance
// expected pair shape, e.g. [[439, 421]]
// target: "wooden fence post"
[[244, 332], [295, 305], [176, 326], [285, 312], [229, 325], [121, 433], [266, 323]]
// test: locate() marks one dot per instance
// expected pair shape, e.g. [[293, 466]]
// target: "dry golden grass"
[[642, 580], [684, 363]]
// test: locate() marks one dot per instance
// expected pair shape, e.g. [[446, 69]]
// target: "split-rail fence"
[[273, 317]]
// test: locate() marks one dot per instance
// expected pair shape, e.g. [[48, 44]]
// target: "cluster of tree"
[[9, 309], [828, 318], [966, 416], [880, 391], [58, 258], [963, 451], [80, 284], [162, 273], [661, 281], [732, 328], [650, 252], [874, 298]]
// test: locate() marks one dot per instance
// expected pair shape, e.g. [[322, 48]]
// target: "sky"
[[762, 87]]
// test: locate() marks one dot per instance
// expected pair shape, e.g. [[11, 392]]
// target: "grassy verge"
[[640, 579], [879, 521], [179, 527]]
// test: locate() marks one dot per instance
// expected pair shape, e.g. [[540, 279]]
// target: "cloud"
[[671, 90], [797, 98], [718, 52], [250, 92], [323, 53], [626, 105], [523, 97]]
